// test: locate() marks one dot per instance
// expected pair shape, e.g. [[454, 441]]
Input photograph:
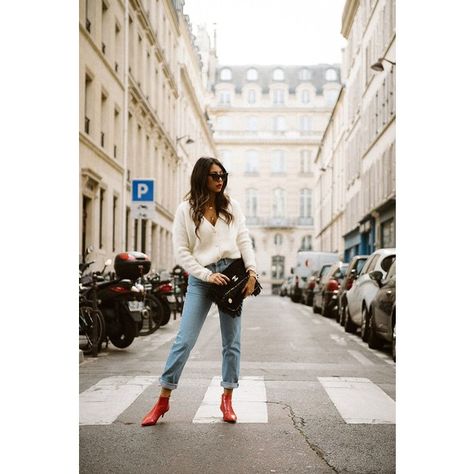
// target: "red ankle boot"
[[227, 410], [160, 408]]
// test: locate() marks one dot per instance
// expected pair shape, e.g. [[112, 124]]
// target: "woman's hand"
[[250, 286], [218, 279]]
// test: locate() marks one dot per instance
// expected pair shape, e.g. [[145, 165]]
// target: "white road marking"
[[248, 401], [358, 400], [338, 339], [102, 403], [361, 358]]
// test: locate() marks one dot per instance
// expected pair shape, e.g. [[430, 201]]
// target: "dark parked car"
[[308, 290], [325, 295], [295, 288], [353, 270], [284, 287], [382, 311], [318, 276]]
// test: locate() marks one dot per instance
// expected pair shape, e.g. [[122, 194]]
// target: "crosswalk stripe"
[[248, 401], [102, 403], [359, 401], [361, 358]]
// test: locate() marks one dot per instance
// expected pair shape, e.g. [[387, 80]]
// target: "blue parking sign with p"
[[143, 190]]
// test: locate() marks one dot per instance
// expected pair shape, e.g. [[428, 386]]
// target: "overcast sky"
[[272, 31]]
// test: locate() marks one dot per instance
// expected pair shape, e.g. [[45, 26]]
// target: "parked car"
[[360, 296], [308, 290], [317, 289], [381, 324], [326, 298], [353, 271], [295, 288], [284, 287]]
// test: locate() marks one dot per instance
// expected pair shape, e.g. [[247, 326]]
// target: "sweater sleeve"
[[244, 243], [182, 248]]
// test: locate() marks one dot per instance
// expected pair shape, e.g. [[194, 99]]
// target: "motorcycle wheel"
[[156, 312], [86, 325], [126, 335], [166, 312]]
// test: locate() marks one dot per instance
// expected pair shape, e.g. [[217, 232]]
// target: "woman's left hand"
[[249, 287]]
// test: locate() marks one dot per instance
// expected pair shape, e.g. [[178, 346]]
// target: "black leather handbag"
[[229, 297]]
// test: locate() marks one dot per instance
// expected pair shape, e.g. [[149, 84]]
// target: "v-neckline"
[[213, 225]]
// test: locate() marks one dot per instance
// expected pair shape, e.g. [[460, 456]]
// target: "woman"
[[209, 232]]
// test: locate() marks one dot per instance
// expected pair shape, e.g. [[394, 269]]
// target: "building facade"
[[268, 121], [358, 147], [142, 115]]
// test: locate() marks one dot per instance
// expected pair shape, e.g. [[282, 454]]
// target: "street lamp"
[[187, 142], [378, 66]]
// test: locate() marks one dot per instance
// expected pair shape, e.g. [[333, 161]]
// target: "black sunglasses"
[[217, 176]]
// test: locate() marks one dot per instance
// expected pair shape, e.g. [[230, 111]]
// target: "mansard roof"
[[265, 75]]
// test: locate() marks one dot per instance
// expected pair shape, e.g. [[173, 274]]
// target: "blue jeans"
[[196, 306]]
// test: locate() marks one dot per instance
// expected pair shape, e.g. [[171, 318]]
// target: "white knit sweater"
[[214, 242]]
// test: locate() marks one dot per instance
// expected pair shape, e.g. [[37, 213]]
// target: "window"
[[305, 96], [226, 159], [306, 243], [252, 124], [101, 217], [88, 16], [251, 161], [114, 223], [251, 202], [252, 74], [117, 131], [279, 202], [305, 161], [223, 122], [103, 119], [331, 75], [226, 74], [305, 74], [278, 239], [278, 161], [88, 105], [278, 97], [305, 123], [373, 262], [388, 233], [104, 29], [224, 97], [279, 124], [306, 201], [251, 96], [278, 266], [278, 75]]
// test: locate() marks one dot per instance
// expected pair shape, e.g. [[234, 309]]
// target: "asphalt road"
[[328, 401]]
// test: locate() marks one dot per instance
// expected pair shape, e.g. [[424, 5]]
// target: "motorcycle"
[[121, 301]]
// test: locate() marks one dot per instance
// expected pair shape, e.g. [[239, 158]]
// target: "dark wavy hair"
[[199, 195]]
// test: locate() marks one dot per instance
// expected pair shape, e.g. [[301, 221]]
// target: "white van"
[[308, 262]]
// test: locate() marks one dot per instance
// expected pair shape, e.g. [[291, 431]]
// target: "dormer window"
[[305, 74], [278, 75], [226, 74], [331, 75], [252, 74]]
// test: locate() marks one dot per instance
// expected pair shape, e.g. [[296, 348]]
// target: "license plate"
[[171, 298], [135, 305]]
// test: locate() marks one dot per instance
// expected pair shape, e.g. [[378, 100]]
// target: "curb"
[[81, 356]]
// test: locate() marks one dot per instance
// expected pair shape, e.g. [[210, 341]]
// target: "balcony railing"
[[268, 134], [279, 222]]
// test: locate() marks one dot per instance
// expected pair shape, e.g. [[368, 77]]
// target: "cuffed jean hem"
[[230, 384], [168, 385]]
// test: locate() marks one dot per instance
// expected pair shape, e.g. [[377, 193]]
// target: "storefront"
[[387, 238], [367, 236], [351, 245]]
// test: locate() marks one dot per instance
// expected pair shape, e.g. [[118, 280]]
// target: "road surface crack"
[[299, 423]]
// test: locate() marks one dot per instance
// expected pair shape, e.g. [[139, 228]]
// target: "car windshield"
[[391, 272], [359, 264]]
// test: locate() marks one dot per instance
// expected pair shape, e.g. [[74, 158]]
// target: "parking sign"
[[143, 190], [143, 198]]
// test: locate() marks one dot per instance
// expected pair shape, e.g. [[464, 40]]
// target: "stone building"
[[268, 121], [356, 161], [142, 115]]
